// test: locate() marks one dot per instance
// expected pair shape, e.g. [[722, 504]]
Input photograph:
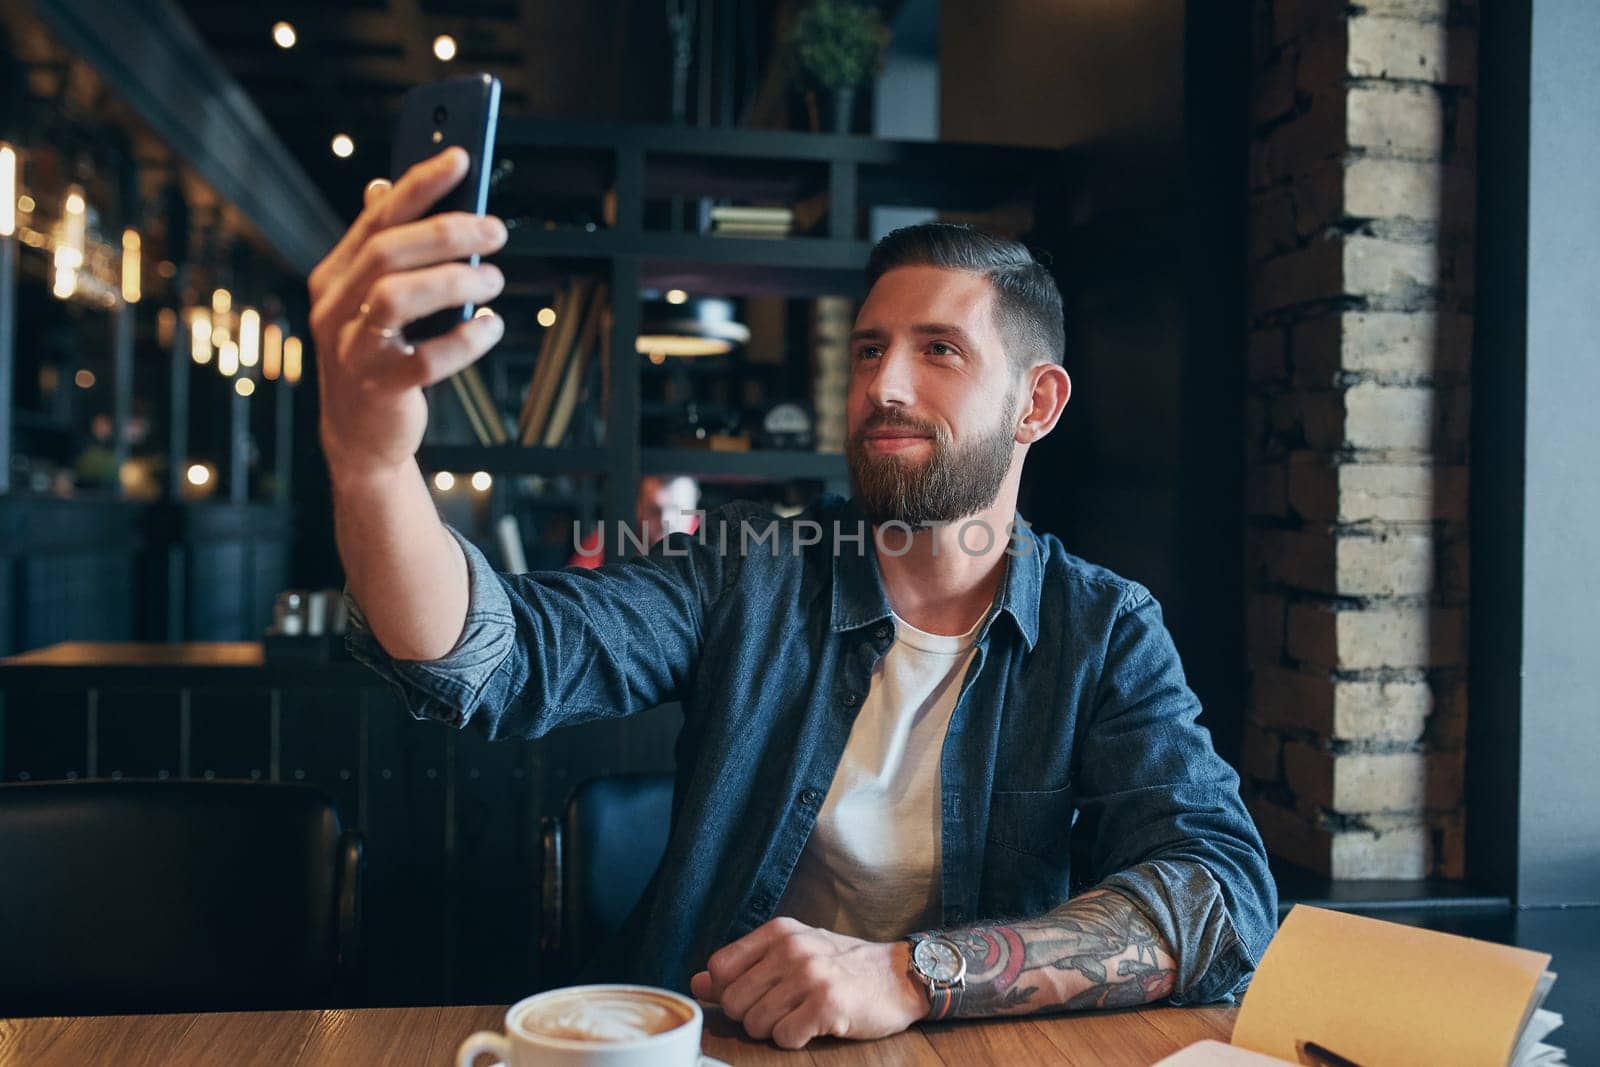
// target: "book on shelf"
[[577, 365], [553, 350], [469, 407], [752, 229], [469, 388], [479, 391], [767, 216], [1335, 988]]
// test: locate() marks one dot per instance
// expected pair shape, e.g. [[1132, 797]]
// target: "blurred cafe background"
[[1329, 283]]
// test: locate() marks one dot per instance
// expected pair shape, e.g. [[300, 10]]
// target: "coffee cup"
[[594, 1026]]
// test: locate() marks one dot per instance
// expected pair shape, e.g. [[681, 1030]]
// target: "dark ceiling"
[[596, 60]]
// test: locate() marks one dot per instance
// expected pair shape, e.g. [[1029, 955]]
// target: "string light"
[[8, 190], [481, 481], [249, 337], [444, 481], [130, 266], [198, 474], [547, 317], [283, 35], [291, 359], [244, 386], [343, 146], [221, 302], [84, 379], [200, 336], [677, 296], [444, 47], [228, 358], [73, 234], [272, 352]]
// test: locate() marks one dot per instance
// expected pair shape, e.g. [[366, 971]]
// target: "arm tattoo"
[[1095, 951]]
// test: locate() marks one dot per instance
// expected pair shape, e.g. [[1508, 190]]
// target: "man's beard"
[[949, 484]]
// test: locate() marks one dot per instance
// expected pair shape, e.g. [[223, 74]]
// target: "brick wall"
[[1360, 245]]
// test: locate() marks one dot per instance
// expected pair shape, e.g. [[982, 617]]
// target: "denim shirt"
[[1072, 760]]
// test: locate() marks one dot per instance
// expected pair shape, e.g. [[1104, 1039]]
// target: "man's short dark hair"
[[1027, 303]]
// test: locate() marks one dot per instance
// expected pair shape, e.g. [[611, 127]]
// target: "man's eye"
[[942, 349], [867, 352]]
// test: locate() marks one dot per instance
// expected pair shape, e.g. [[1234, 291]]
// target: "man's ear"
[[1048, 393]]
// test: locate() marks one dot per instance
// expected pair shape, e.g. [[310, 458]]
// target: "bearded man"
[[931, 765]]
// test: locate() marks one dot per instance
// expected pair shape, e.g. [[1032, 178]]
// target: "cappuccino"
[[612, 1016]]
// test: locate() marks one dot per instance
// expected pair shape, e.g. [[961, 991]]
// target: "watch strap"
[[943, 997]]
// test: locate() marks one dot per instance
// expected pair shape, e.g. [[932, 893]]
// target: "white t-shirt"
[[871, 867]]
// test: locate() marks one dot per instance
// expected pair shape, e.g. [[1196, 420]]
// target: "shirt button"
[[847, 700], [881, 632], [810, 797]]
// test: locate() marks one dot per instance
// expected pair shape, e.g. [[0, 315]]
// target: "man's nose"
[[890, 384]]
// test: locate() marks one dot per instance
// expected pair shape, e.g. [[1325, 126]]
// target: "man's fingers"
[[420, 187], [451, 236], [813, 1018], [396, 299], [736, 957], [742, 994], [437, 359], [413, 194], [774, 1005], [374, 191]]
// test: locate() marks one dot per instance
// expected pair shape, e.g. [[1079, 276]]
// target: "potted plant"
[[833, 47]]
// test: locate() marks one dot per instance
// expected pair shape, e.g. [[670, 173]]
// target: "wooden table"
[[430, 1036]]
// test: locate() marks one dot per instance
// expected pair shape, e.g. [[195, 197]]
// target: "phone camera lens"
[[439, 115]]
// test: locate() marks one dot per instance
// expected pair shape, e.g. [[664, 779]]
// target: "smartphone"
[[463, 112]]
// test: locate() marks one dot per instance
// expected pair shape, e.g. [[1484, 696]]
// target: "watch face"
[[939, 960]]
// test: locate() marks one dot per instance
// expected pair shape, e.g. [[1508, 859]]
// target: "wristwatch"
[[942, 968]]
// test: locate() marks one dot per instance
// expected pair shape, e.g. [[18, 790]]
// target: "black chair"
[[175, 896], [598, 858]]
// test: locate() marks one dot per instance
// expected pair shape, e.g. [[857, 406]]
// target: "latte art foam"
[[603, 1017]]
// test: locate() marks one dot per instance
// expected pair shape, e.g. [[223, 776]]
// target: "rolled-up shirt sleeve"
[[450, 688], [1167, 827]]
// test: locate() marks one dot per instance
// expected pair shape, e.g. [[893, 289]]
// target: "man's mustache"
[[898, 420]]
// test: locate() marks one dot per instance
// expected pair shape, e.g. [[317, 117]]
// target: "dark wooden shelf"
[[512, 459], [765, 144], [756, 465], [814, 253]]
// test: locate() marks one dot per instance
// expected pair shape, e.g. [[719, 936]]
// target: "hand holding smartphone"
[[461, 112]]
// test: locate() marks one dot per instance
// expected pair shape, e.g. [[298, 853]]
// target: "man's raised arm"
[[392, 267]]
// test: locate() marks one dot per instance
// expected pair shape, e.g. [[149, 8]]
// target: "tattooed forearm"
[[1096, 951]]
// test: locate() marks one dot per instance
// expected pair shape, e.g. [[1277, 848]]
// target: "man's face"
[[934, 399]]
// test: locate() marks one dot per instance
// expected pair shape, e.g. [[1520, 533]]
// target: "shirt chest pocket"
[[1036, 823]]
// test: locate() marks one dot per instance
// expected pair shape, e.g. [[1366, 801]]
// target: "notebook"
[[1336, 989]]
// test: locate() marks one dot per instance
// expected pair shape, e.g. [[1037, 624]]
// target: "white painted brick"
[[1384, 635], [1396, 564], [1408, 50], [1399, 492], [1404, 342], [1389, 416], [1399, 852], [1403, 120], [1394, 189], [1374, 266], [1381, 711]]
